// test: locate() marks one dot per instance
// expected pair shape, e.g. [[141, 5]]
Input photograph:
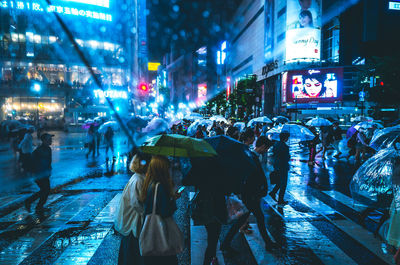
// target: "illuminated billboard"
[[103, 3], [61, 8], [303, 30], [316, 85], [201, 93]]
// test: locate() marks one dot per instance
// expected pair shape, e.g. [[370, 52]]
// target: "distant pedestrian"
[[109, 140], [337, 137], [90, 141], [130, 213], [312, 146], [97, 140], [281, 158], [26, 148], [41, 170]]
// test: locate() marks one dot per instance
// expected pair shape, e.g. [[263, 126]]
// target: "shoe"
[[214, 261], [273, 196], [27, 206]]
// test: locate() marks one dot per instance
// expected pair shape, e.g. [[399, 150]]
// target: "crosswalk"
[[314, 228]]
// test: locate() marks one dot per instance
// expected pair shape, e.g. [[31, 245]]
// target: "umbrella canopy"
[[385, 138], [156, 125], [377, 181], [367, 125], [297, 132], [240, 125], [263, 119], [88, 123], [362, 118], [178, 146], [11, 124], [193, 116], [193, 127], [218, 118], [227, 170], [110, 124], [136, 122], [280, 119], [318, 122]]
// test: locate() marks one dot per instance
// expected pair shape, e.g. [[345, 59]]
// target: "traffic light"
[[143, 87]]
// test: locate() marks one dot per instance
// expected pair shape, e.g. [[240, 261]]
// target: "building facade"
[[43, 75], [307, 53]]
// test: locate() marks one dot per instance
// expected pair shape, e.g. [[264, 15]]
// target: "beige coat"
[[130, 213]]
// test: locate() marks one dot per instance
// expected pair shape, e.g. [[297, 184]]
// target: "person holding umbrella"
[[255, 187], [281, 158]]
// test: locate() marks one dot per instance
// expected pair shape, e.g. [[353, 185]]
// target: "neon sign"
[[394, 5], [102, 3], [63, 10], [98, 93]]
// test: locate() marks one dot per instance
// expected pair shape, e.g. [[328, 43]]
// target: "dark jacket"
[[165, 205], [255, 185], [281, 156], [41, 159], [336, 133]]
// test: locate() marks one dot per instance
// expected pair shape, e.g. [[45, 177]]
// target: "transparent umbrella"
[[297, 132], [318, 122], [368, 125], [240, 125], [218, 118], [377, 182], [385, 138], [280, 119], [110, 124], [263, 119], [193, 127]]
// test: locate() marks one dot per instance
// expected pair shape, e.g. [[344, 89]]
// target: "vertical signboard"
[[269, 30], [303, 30]]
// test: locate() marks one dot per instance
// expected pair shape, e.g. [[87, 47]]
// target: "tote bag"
[[160, 236]]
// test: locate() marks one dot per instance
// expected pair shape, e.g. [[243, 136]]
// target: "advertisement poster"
[[269, 31], [317, 85], [303, 32]]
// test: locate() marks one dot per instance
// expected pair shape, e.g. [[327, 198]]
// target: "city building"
[[307, 53], [42, 74]]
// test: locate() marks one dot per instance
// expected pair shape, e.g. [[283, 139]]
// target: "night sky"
[[185, 24]]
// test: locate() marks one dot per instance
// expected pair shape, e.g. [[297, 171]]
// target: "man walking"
[[281, 158], [254, 188], [337, 137], [41, 161]]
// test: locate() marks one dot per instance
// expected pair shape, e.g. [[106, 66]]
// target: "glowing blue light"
[[36, 87], [103, 3], [117, 108]]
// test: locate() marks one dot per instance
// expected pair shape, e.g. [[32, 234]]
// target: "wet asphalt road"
[[319, 226]]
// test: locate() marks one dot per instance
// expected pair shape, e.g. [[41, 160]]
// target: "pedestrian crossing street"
[[317, 227]]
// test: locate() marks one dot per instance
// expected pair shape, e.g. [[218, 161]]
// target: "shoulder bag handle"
[[155, 199]]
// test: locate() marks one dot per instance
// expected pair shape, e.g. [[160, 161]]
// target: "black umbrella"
[[227, 171]]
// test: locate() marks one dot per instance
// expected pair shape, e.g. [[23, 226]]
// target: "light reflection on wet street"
[[320, 225]]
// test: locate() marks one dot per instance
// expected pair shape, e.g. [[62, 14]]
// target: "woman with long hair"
[[159, 172], [130, 213]]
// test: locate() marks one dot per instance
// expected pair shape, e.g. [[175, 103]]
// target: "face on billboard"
[[314, 85], [303, 30]]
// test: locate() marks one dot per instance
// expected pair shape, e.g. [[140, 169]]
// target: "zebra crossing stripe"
[[349, 202], [358, 233], [90, 240], [25, 245], [323, 247], [21, 213]]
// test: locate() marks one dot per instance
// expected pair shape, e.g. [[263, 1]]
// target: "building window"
[[330, 41]]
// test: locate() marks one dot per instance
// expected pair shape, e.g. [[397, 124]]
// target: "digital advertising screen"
[[316, 85], [303, 30]]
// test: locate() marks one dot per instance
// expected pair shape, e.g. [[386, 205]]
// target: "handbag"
[[160, 236], [235, 207]]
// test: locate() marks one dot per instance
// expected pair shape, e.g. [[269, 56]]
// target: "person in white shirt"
[[26, 147], [130, 213]]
